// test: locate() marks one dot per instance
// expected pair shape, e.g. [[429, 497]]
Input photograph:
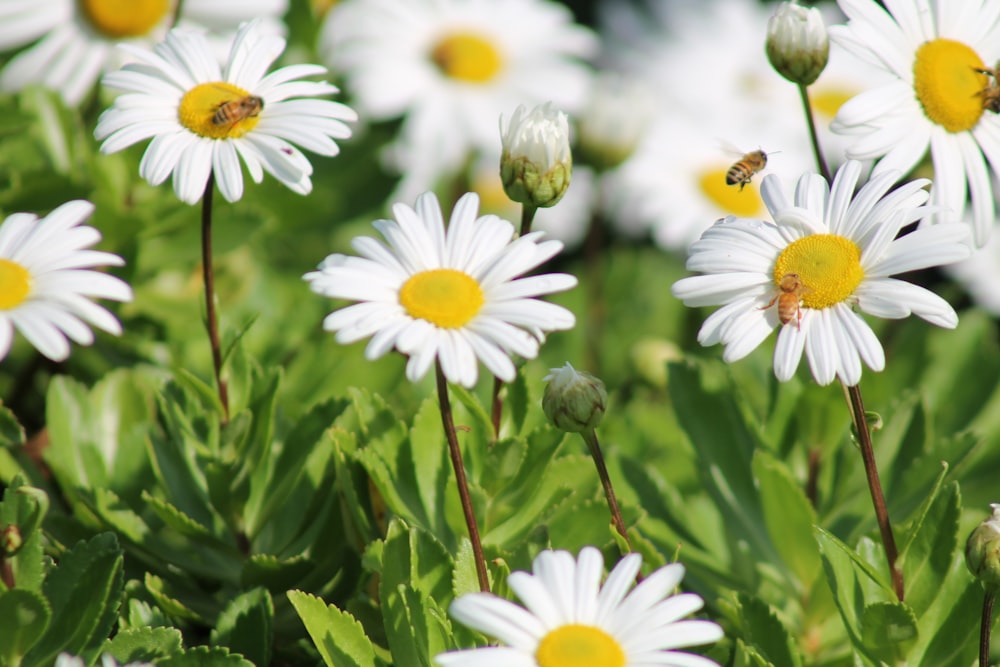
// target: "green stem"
[[463, 485], [824, 170], [177, 13], [527, 217], [590, 437], [875, 486], [208, 275], [984, 628]]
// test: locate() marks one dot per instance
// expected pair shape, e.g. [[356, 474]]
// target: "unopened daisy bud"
[[615, 120], [536, 163], [982, 551], [797, 43], [574, 401]]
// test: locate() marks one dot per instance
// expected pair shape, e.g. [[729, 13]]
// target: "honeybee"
[[789, 297], [748, 165], [991, 93], [233, 111]]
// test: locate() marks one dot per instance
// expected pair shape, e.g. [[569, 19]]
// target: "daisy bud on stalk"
[[982, 550], [574, 401], [797, 43], [536, 164]]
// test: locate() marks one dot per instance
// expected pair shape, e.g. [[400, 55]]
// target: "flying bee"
[[233, 111], [991, 93], [789, 298], [742, 172]]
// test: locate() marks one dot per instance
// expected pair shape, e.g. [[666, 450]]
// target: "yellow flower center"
[[124, 18], [467, 57], [948, 85], [219, 110], [444, 297], [744, 203], [828, 266], [579, 646], [15, 284], [827, 102]]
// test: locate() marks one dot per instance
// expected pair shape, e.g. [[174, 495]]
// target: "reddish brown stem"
[[209, 278]]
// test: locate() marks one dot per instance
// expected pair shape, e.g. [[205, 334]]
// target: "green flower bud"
[[536, 164], [574, 401], [797, 43], [982, 550]]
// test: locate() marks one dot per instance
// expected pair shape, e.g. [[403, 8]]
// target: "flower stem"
[[590, 437], [7, 573], [824, 170], [984, 628], [177, 14], [463, 486], [209, 277], [875, 486], [496, 405]]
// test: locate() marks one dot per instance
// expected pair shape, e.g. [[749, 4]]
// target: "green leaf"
[[25, 507], [84, 590], [245, 626], [11, 431], [929, 544], [767, 634], [340, 639], [789, 518], [143, 644], [203, 656], [888, 630], [24, 616]]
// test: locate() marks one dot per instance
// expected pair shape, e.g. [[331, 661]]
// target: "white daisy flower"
[[805, 272], [569, 618], [73, 41], [450, 68], [203, 119], [448, 295], [932, 50], [46, 281]]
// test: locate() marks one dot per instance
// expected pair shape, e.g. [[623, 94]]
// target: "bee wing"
[[730, 148]]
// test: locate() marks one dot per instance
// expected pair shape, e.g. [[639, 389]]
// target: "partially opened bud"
[[574, 401], [536, 164], [797, 43], [982, 550]]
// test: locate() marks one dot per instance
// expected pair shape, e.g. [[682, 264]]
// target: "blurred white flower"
[[449, 68], [73, 41], [617, 116]]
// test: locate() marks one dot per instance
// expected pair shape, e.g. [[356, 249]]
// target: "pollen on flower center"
[[444, 297], [219, 110], [579, 646], [948, 85], [124, 18], [828, 266], [743, 203], [15, 284], [467, 57]]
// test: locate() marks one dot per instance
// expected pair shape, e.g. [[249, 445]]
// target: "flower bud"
[[982, 550], [574, 401], [10, 541], [615, 120], [797, 43], [536, 164]]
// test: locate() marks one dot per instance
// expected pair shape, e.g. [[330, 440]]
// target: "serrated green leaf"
[[929, 544], [24, 616], [245, 626], [338, 636], [206, 394], [203, 656], [84, 590], [25, 507], [767, 634], [11, 431], [888, 630], [143, 644], [156, 589], [412, 556]]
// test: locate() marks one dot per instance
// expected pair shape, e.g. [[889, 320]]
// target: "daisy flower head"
[[204, 118], [826, 254], [935, 55], [449, 68], [71, 42], [570, 620], [47, 281], [448, 294]]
